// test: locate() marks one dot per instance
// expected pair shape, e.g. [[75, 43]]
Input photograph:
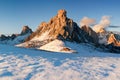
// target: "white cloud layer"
[[87, 21]]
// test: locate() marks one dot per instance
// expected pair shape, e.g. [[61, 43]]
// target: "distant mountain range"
[[53, 35], [16, 38]]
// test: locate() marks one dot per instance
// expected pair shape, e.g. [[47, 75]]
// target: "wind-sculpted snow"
[[26, 64]]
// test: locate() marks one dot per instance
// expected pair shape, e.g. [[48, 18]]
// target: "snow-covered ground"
[[29, 64]]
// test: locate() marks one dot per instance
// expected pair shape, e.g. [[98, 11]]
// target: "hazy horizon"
[[17, 13]]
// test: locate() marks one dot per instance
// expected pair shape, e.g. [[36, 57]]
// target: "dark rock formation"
[[91, 33]]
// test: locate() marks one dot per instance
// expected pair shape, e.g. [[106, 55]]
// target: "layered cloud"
[[87, 21], [104, 22]]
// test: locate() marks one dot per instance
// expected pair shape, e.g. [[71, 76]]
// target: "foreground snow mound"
[[88, 64]]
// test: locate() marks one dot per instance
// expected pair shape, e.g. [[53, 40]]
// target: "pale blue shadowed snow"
[[87, 64]]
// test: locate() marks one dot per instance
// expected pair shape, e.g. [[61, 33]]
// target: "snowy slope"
[[87, 64]]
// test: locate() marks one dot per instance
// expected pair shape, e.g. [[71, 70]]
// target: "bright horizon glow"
[[16, 13]]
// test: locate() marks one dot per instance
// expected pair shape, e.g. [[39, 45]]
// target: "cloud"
[[105, 22], [87, 21]]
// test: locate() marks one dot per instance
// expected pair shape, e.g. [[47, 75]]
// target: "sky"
[[14, 14]]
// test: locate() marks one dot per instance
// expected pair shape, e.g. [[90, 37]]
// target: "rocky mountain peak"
[[58, 26], [25, 30], [61, 27], [62, 13]]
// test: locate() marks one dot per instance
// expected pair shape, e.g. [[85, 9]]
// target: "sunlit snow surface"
[[87, 64]]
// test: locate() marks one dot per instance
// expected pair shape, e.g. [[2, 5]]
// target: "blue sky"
[[16, 13]]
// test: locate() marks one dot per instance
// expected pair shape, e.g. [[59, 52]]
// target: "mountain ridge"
[[59, 30]]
